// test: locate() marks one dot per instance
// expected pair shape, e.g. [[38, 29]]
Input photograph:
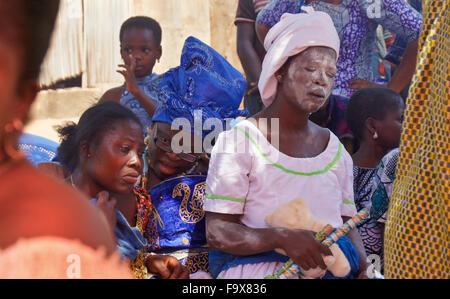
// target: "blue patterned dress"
[[176, 224], [149, 85], [356, 22]]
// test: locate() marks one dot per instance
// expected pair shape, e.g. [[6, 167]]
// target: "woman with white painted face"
[[250, 175]]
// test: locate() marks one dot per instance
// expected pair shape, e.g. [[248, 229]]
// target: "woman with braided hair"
[[105, 151]]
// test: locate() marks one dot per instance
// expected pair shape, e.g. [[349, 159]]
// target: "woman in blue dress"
[[105, 152], [204, 89]]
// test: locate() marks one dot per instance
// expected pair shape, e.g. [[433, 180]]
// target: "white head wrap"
[[289, 37]]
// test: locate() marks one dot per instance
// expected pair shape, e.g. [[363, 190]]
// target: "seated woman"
[[204, 88], [255, 169], [105, 150], [33, 207], [375, 116]]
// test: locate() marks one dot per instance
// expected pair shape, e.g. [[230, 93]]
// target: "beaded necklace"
[[144, 207]]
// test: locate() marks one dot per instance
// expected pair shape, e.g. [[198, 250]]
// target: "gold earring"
[[375, 136], [9, 146], [149, 134]]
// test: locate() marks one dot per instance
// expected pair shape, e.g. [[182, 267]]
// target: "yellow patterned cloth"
[[417, 239], [138, 267]]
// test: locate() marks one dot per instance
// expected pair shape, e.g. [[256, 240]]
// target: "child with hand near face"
[[140, 48]]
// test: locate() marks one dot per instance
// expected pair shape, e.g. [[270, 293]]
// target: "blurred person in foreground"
[[43, 223]]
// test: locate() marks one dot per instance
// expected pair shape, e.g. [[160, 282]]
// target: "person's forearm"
[[226, 233], [357, 242], [261, 32], [406, 69], [148, 104], [250, 62], [240, 240]]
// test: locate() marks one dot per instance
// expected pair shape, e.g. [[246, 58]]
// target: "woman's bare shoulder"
[[54, 169], [113, 94]]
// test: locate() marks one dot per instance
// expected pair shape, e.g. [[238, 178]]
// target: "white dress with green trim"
[[248, 176]]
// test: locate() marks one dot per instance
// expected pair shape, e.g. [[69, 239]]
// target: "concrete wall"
[[223, 30], [55, 107], [178, 19], [209, 20]]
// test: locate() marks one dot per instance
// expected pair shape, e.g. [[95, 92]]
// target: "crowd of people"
[[167, 177]]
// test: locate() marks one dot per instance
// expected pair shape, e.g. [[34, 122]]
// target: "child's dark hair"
[[93, 124], [142, 22], [371, 102], [28, 25]]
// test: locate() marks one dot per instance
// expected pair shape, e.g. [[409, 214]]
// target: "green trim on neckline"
[[338, 156], [211, 196]]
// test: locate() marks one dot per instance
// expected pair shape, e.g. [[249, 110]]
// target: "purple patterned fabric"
[[356, 22], [336, 118]]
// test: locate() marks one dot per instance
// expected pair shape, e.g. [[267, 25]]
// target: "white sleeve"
[[348, 207], [227, 183]]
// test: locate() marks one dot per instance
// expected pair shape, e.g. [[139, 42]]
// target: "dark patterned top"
[[336, 118], [371, 231], [382, 184], [372, 188], [356, 22]]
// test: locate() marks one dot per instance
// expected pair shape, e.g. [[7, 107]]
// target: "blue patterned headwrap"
[[204, 86]]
